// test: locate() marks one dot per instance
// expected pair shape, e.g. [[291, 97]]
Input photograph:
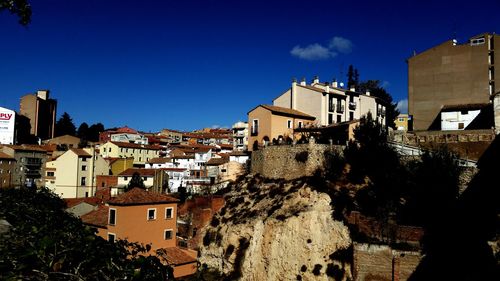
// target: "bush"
[[302, 156]]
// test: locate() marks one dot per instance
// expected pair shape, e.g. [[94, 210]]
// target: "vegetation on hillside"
[[46, 243]]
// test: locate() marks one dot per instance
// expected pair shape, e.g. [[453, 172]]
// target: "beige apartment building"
[[41, 111], [451, 74], [140, 152], [330, 104], [272, 123], [73, 174]]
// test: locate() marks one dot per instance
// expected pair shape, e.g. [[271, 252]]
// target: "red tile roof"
[[27, 147], [80, 152], [176, 256], [285, 111], [159, 160], [71, 202], [98, 218], [139, 196], [142, 172], [217, 161]]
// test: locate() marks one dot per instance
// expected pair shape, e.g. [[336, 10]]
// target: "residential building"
[[154, 179], [118, 165], [330, 104], [129, 137], [140, 152], [451, 74], [7, 125], [30, 161], [41, 111], [7, 168], [239, 156], [106, 135], [73, 174], [240, 136], [173, 135], [148, 218], [402, 122], [269, 122], [64, 142]]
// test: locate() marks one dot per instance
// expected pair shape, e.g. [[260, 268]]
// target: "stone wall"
[[290, 161], [380, 262]]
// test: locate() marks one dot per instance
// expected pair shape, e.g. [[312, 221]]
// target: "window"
[[255, 126], [339, 118], [110, 149], [111, 237], [460, 125], [83, 180], [464, 112], [330, 118], [84, 159], [112, 216], [351, 116], [103, 184], [125, 178], [151, 214], [168, 234], [145, 179], [169, 213], [289, 124], [121, 149], [300, 124], [84, 168], [401, 119], [104, 149], [50, 174]]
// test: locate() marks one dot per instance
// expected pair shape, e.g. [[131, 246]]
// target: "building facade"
[[41, 110], [7, 168], [140, 152], [7, 125], [330, 104], [273, 123], [240, 136], [451, 74]]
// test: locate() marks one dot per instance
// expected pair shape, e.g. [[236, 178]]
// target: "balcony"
[[340, 108], [352, 105]]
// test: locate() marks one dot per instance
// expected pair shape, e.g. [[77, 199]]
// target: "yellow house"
[[271, 123], [141, 153], [73, 174], [118, 165], [402, 122]]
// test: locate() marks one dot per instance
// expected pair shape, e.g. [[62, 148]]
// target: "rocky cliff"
[[276, 230]]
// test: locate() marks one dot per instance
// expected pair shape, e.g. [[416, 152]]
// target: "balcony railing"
[[352, 105]]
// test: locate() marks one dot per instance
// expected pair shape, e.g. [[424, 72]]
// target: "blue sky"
[[193, 64]]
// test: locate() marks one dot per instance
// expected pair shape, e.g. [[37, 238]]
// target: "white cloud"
[[402, 106], [341, 45], [312, 52]]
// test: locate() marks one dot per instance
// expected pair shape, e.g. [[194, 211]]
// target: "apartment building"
[[274, 123], [452, 74], [148, 218], [330, 104], [30, 161], [41, 111], [73, 174], [240, 136], [140, 152], [153, 179], [7, 168]]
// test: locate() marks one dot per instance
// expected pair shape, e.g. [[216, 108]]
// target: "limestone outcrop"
[[277, 231]]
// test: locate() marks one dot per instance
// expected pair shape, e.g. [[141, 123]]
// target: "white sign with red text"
[[7, 123]]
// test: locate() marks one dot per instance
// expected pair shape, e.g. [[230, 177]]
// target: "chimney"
[[303, 81], [367, 92], [293, 93], [335, 84], [352, 89], [315, 80], [327, 87]]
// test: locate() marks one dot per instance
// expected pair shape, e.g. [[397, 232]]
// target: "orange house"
[[148, 218]]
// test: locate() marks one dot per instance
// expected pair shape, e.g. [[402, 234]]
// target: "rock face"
[[276, 231]]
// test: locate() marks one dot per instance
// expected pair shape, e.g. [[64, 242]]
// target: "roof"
[[80, 152], [98, 218], [142, 172], [174, 169], [217, 161], [6, 156], [238, 153], [134, 145], [176, 256], [468, 106], [278, 110], [27, 147], [71, 202], [159, 160], [139, 196], [223, 145]]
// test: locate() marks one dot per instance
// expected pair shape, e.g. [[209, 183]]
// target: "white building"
[[7, 124], [130, 138], [459, 117], [240, 136]]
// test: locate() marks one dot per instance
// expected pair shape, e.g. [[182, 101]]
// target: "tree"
[[65, 126], [352, 77], [136, 181], [378, 91], [47, 243], [20, 8], [94, 131], [83, 131]]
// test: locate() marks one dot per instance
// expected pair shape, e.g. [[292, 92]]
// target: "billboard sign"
[[7, 123]]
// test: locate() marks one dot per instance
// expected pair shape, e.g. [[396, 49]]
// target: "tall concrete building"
[[452, 75], [41, 110]]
